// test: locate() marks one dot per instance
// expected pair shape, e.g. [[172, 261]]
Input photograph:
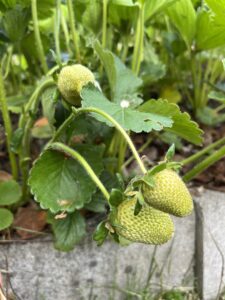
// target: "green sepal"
[[139, 203], [120, 181], [116, 197], [123, 241], [170, 153], [101, 233]]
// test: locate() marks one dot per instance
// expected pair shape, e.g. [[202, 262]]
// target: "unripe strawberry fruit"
[[169, 194], [150, 226], [71, 80]]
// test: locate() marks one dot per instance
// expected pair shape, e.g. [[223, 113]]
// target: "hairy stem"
[[104, 23], [39, 44], [8, 127], [26, 123], [139, 41], [75, 36], [57, 31], [204, 151], [118, 127], [74, 154], [203, 165]]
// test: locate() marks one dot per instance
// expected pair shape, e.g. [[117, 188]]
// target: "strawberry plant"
[[71, 113]]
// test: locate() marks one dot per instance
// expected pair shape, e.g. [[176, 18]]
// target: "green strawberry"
[[150, 226], [169, 194], [71, 80]]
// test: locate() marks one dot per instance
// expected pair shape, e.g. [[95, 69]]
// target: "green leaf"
[[182, 126], [153, 69], [68, 231], [209, 116], [6, 218], [210, 31], [60, 183], [123, 2], [217, 6], [10, 192], [128, 118], [45, 8], [48, 102], [15, 22], [7, 4], [100, 233], [98, 202], [217, 95], [123, 82], [116, 197], [183, 16], [154, 7], [91, 18]]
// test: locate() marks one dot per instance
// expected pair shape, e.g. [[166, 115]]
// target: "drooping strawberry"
[[150, 226], [71, 80], [169, 194]]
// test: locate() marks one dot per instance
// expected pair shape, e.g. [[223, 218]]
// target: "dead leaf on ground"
[[4, 176], [29, 218], [41, 122]]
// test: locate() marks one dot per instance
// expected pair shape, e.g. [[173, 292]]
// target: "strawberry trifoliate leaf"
[[6, 218], [124, 84], [182, 126], [128, 118], [60, 183], [68, 231]]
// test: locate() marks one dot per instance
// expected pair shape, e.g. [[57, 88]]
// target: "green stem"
[[197, 155], [125, 49], [104, 23], [74, 154], [39, 45], [72, 23], [26, 123], [219, 108], [122, 153], [66, 33], [57, 31], [61, 129], [206, 163], [8, 127], [139, 41], [76, 112], [142, 148], [118, 127]]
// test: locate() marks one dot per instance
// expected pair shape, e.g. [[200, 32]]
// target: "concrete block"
[[38, 272], [210, 244]]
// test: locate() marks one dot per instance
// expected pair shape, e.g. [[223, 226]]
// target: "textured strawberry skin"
[[169, 194], [71, 81], [150, 226]]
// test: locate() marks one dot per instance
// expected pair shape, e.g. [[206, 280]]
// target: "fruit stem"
[[118, 127], [39, 45], [76, 112], [197, 155], [203, 165], [26, 122], [8, 127], [75, 36], [75, 155]]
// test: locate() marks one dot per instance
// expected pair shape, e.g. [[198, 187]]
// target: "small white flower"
[[124, 104], [97, 85]]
